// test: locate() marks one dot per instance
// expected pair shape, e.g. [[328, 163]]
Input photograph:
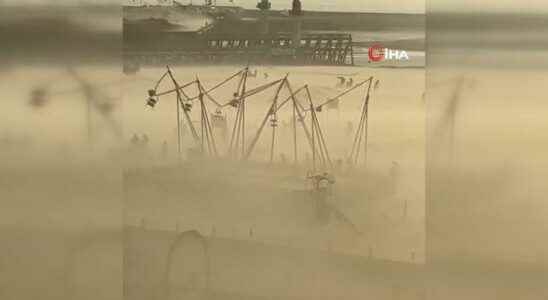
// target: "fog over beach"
[[111, 187]]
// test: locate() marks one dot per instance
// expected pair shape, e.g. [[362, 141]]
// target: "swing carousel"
[[239, 145]]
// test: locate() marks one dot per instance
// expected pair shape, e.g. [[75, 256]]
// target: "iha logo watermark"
[[377, 53]]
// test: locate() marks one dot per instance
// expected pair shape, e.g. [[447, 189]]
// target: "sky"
[[408, 6], [403, 6]]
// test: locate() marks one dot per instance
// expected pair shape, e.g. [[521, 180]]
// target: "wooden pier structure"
[[280, 48], [323, 49]]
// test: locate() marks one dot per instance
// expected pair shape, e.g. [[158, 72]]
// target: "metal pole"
[[321, 141], [365, 138], [313, 139], [258, 134], [178, 129], [301, 117], [273, 141], [295, 133], [366, 122], [243, 109], [210, 137], [361, 132], [234, 131], [202, 123], [274, 123], [239, 117], [356, 147], [179, 98]]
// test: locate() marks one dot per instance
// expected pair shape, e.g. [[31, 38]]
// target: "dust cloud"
[[256, 212], [486, 162], [71, 173], [100, 199]]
